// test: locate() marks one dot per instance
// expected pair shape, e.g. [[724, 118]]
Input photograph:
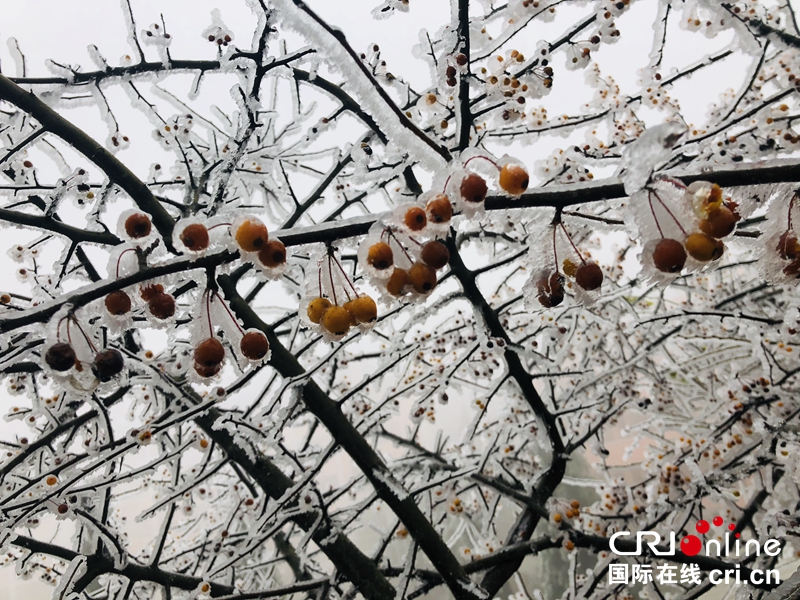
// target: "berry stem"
[[574, 247], [119, 259], [555, 252], [496, 166], [669, 212], [219, 225], [791, 205], [208, 313], [653, 212], [446, 181], [402, 247], [228, 310], [346, 278], [330, 276]]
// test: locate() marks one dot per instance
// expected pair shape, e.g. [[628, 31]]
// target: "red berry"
[[118, 303], [195, 237], [161, 306], [589, 276], [473, 188], [550, 290], [150, 291], [138, 225], [669, 256], [273, 254], [254, 345], [208, 357], [415, 218], [107, 364], [435, 254], [439, 209]]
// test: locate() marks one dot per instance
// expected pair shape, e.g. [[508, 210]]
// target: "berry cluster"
[[61, 357], [788, 246], [334, 305]]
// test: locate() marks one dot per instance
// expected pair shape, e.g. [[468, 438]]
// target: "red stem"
[[652, 210], [484, 158], [669, 212], [228, 310], [119, 259], [572, 243]]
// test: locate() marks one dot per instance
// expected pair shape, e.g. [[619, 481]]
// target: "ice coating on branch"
[[331, 50], [648, 152]]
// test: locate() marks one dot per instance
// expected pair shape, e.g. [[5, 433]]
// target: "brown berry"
[[195, 237], [161, 306], [473, 188], [435, 254], [415, 219], [60, 357], [273, 254], [703, 247], [439, 209], [793, 268], [118, 303], [138, 225], [788, 246], [422, 278], [669, 256], [336, 320], [514, 179], [208, 357], [380, 256], [550, 290], [589, 276], [107, 364], [316, 308], [254, 345], [251, 235], [362, 309], [719, 222], [150, 291], [397, 282]]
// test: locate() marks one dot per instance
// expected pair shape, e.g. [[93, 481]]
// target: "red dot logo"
[[718, 521], [731, 526], [691, 545], [702, 527]]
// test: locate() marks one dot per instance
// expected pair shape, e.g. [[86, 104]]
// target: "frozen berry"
[[336, 320], [316, 308], [147, 292], [380, 256], [107, 364], [669, 256], [589, 276], [550, 290], [788, 246], [273, 254], [161, 306], [720, 222], [415, 219], [208, 357], [362, 309], [439, 209], [138, 225], [118, 303], [473, 188], [703, 247], [254, 345], [195, 237], [251, 235], [514, 179], [435, 254], [397, 282], [60, 357], [793, 268], [422, 278]]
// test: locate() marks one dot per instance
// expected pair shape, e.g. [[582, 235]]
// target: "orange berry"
[[138, 225], [107, 364], [60, 357], [251, 235], [589, 276], [435, 254], [669, 256], [720, 222], [575, 504], [380, 256], [514, 179], [439, 209], [316, 309], [473, 188], [422, 278], [150, 291], [195, 237], [550, 290], [362, 309], [161, 306], [208, 357], [415, 219], [557, 517], [569, 267], [336, 320], [51, 480], [254, 345], [118, 303], [397, 282], [273, 254], [703, 247]]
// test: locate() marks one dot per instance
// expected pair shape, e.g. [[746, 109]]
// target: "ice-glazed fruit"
[[254, 345], [380, 256], [138, 225], [669, 256], [251, 235], [118, 303], [435, 254], [273, 254], [422, 278], [107, 364], [514, 179], [316, 308], [336, 320], [195, 237], [415, 218], [439, 209], [474, 189], [362, 309], [589, 276], [60, 357]]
